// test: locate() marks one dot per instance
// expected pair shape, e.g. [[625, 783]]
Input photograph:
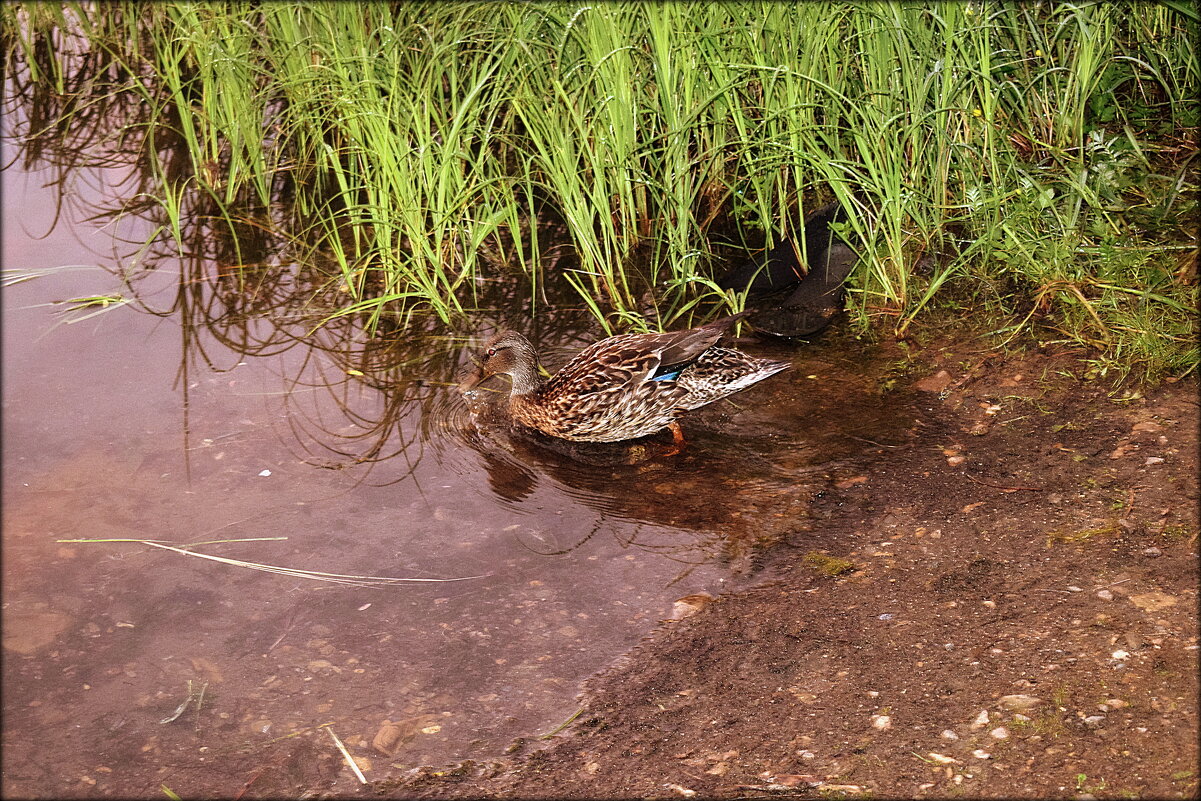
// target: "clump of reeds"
[[1033, 158]]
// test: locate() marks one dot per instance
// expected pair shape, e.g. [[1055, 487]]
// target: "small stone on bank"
[[934, 383], [1019, 702], [687, 792]]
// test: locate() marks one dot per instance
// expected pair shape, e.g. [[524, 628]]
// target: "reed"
[[990, 153]]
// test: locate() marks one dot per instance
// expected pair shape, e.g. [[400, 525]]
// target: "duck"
[[621, 388]]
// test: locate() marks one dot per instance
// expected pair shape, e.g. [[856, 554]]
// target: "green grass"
[[1037, 161]]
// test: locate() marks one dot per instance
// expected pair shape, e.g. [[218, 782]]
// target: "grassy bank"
[[1037, 161]]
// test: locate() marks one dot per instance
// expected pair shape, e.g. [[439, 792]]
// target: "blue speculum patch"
[[667, 376]]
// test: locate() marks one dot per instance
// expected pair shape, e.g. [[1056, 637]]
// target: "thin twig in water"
[[315, 575], [298, 732], [346, 754], [561, 726], [287, 628], [1113, 584], [195, 695]]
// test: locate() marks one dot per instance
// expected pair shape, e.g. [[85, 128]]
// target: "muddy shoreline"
[[1005, 608]]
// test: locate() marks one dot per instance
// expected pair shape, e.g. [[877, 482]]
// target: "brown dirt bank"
[[1016, 617]]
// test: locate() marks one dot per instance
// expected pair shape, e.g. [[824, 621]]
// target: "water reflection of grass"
[[69, 310], [1033, 160]]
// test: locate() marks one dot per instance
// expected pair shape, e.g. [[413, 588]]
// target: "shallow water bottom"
[[136, 666]]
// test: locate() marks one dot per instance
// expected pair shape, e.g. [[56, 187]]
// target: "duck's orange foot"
[[677, 439], [677, 433]]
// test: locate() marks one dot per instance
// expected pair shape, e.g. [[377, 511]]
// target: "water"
[[208, 421]]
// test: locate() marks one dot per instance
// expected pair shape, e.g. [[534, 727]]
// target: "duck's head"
[[507, 353]]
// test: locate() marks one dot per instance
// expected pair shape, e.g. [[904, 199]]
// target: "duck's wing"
[[723, 371], [616, 362], [629, 359], [681, 348]]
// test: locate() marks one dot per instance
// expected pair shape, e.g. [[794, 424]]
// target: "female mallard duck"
[[623, 387]]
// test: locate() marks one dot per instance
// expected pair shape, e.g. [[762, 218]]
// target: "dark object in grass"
[[786, 300]]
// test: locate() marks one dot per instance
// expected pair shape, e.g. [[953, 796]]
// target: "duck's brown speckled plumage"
[[609, 393]]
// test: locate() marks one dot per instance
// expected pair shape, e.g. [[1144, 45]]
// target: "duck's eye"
[[491, 352]]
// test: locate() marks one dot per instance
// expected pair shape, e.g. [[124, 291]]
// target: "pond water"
[[175, 421]]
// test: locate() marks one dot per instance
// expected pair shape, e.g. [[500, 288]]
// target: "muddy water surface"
[[129, 425]]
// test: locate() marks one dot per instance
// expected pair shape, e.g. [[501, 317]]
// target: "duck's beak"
[[469, 377]]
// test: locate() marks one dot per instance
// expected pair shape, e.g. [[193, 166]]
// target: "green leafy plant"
[[1035, 159]]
